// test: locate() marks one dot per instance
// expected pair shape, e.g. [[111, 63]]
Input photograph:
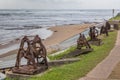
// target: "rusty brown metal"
[[104, 30], [107, 25], [93, 33], [40, 50], [34, 51], [82, 41]]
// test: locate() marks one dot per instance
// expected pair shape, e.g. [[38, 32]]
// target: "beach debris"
[[93, 33], [35, 54], [104, 30]]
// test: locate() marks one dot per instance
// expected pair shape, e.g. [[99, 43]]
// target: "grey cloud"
[[59, 4]]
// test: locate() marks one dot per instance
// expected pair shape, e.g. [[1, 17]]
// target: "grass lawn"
[[79, 69], [116, 18], [61, 54]]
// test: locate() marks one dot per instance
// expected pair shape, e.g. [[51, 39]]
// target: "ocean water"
[[17, 23]]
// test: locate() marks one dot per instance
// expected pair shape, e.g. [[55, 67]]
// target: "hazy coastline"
[[46, 23], [17, 23]]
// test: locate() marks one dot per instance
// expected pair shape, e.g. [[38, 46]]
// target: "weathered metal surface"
[[63, 61], [93, 33], [82, 47], [77, 52], [116, 26], [29, 69], [51, 64], [82, 42], [104, 30], [107, 25], [97, 42], [34, 51]]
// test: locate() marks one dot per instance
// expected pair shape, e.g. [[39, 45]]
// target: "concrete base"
[[23, 76], [77, 52], [62, 61], [96, 42], [13, 76], [29, 69]]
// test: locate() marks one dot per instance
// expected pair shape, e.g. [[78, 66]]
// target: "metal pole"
[[113, 11]]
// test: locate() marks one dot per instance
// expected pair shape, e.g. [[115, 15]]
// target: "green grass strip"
[[79, 69], [61, 54], [116, 18]]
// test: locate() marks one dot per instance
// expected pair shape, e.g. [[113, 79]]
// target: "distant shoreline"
[[59, 34]]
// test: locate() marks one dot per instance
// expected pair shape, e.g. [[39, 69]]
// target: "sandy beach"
[[60, 33]]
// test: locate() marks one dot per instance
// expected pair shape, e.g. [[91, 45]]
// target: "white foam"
[[5, 50], [2, 76], [9, 35], [43, 33]]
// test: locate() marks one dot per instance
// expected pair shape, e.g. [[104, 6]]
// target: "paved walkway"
[[104, 69], [115, 73]]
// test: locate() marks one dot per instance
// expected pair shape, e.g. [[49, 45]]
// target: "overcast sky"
[[59, 4]]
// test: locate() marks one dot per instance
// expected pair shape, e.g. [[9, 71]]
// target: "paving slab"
[[104, 68]]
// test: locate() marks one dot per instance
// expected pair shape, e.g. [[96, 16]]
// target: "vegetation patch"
[[79, 69], [116, 17], [60, 55]]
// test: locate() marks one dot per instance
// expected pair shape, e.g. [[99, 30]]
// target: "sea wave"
[[14, 14], [16, 23], [10, 35], [5, 14]]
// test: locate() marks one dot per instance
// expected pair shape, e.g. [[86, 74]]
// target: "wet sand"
[[60, 33]]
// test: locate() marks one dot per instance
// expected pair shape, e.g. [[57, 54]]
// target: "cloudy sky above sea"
[[59, 4]]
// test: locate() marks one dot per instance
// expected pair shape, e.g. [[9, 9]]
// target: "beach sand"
[[60, 33]]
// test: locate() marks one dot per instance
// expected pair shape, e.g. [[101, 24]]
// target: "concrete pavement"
[[104, 68]]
